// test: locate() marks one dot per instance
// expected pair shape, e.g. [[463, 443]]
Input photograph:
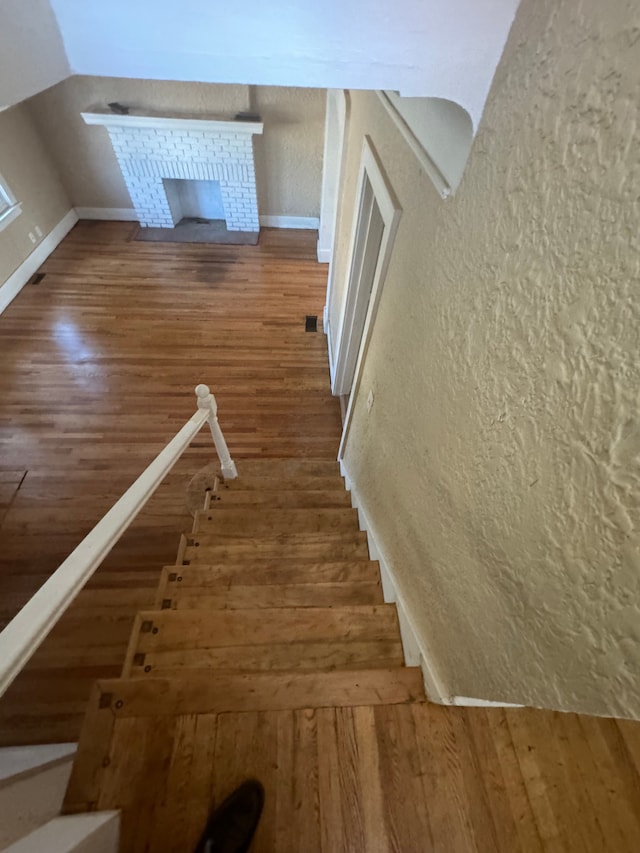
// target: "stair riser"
[[274, 550], [287, 468], [293, 499], [195, 694], [257, 522], [263, 572], [280, 484], [295, 595], [321, 656], [164, 630]]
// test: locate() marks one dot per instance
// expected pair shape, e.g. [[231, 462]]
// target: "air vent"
[[311, 323]]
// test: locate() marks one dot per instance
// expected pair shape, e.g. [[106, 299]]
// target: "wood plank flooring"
[[99, 365], [408, 777], [111, 347]]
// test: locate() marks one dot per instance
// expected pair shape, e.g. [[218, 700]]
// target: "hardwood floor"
[[408, 778], [99, 365]]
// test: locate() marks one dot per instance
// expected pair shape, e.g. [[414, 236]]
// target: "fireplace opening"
[[191, 199]]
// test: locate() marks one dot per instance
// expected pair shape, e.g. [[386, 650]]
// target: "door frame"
[[371, 170]]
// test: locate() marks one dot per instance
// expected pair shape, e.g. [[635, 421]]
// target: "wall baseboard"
[[109, 214], [415, 654], [469, 702], [17, 280], [128, 214], [332, 367], [310, 222], [324, 254]]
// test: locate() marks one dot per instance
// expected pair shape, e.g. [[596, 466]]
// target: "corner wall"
[[500, 463], [27, 167]]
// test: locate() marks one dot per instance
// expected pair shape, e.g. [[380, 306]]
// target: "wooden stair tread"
[[238, 597], [173, 629], [291, 468], [331, 547], [228, 692], [324, 655], [138, 733], [262, 521], [275, 484], [263, 572], [337, 496], [292, 539]]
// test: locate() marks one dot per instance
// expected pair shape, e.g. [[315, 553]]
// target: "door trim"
[[371, 171]]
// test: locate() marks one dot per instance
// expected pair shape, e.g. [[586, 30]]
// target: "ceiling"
[[418, 47]]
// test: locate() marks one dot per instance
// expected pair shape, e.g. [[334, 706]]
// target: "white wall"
[[32, 55], [421, 47]]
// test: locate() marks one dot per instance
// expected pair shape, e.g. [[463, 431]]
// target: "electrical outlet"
[[370, 399], [38, 230], [32, 237]]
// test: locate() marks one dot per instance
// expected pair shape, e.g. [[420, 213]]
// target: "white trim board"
[[17, 762], [176, 122], [302, 222], [332, 367], [358, 312], [108, 214], [98, 832], [469, 702], [415, 654], [14, 284], [128, 214], [337, 111], [437, 178]]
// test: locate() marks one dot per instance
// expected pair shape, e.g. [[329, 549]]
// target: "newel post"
[[206, 400]]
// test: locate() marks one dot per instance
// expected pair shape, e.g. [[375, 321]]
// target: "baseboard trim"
[[324, 254], [332, 367], [469, 702], [108, 214], [17, 280], [415, 654], [302, 222], [128, 214]]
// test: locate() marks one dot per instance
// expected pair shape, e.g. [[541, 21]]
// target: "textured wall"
[[27, 168], [288, 157], [289, 154], [500, 463]]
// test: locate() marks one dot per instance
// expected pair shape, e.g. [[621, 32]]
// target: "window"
[[9, 207]]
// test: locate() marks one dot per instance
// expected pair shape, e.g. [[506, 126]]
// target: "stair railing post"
[[206, 400]]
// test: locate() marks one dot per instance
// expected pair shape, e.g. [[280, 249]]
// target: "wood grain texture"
[[351, 760], [99, 363], [236, 522]]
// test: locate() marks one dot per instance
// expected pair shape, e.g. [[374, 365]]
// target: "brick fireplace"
[[156, 151]]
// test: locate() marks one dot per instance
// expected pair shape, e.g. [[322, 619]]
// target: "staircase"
[[269, 653]]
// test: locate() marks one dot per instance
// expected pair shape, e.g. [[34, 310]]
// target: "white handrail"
[[26, 631]]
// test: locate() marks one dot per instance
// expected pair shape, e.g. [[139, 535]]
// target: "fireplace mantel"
[[155, 151], [172, 122]]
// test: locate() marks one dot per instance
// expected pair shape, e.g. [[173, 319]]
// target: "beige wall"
[[289, 154], [500, 464], [29, 171], [288, 157]]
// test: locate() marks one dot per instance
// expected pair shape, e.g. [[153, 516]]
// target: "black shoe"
[[232, 825]]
